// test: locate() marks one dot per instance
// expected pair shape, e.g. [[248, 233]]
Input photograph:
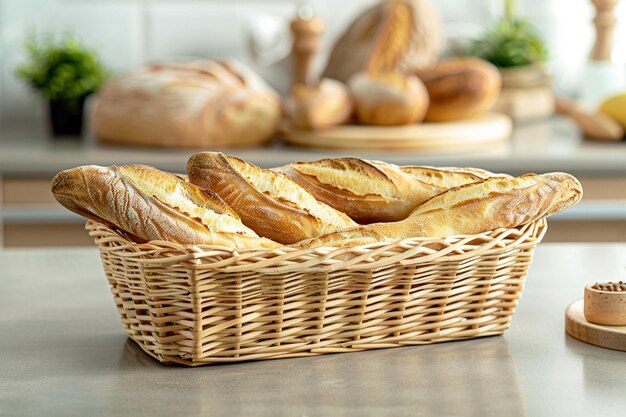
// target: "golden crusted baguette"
[[373, 191], [267, 202], [452, 176], [153, 205], [474, 208]]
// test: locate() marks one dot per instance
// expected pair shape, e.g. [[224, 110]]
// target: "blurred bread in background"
[[394, 35], [187, 104], [388, 99], [325, 104], [459, 88]]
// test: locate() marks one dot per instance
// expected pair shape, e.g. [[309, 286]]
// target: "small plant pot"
[[66, 117], [526, 94], [527, 76]]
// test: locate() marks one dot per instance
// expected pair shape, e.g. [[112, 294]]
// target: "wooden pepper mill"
[[604, 23], [603, 77], [593, 124], [306, 29], [313, 104]]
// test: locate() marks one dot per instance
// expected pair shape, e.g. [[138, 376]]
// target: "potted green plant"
[[511, 42], [514, 46], [65, 72]]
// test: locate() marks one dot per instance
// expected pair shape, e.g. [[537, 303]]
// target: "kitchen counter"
[[63, 353], [553, 145]]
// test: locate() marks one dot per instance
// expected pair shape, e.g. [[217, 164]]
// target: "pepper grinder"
[[602, 76], [604, 23], [306, 30]]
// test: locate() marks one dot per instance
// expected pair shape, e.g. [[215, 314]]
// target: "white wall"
[[130, 32]]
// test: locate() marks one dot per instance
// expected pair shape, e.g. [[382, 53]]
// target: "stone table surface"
[[63, 353]]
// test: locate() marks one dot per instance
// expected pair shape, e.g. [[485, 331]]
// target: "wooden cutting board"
[[612, 337], [460, 134]]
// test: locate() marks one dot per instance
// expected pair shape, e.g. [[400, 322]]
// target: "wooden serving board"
[[612, 337], [487, 129]]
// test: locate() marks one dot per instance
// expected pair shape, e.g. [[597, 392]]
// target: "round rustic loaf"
[[460, 88], [388, 99], [187, 104], [319, 106]]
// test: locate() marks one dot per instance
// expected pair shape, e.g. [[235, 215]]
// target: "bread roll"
[[393, 35], [194, 104], [373, 191], [498, 202], [268, 202], [320, 106], [388, 99], [460, 88], [152, 205]]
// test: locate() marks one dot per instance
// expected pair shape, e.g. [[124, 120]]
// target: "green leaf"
[[510, 42], [63, 69]]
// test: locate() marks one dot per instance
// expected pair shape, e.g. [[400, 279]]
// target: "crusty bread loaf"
[[393, 35], [152, 205], [268, 202], [388, 98], [373, 191], [187, 104], [319, 106], [473, 208], [459, 88]]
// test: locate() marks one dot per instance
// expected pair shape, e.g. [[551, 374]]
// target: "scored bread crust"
[[497, 202], [268, 202], [152, 205], [373, 191], [402, 35]]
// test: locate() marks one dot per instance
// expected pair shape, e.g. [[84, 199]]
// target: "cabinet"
[[30, 216]]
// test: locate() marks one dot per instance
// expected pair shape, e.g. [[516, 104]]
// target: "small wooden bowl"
[[605, 307]]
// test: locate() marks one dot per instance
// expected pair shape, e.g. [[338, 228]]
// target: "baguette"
[[268, 202], [374, 191], [470, 209], [152, 205], [477, 172]]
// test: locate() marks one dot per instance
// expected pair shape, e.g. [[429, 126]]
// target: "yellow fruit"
[[615, 107]]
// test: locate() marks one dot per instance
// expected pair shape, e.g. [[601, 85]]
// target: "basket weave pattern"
[[200, 304]]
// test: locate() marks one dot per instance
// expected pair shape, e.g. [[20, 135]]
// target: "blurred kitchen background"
[[127, 34]]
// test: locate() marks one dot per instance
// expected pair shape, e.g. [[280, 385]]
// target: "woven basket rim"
[[406, 251], [92, 225]]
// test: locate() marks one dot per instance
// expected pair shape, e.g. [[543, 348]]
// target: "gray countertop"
[[553, 145], [63, 353]]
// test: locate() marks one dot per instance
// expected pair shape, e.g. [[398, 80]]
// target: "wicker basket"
[[196, 305]]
